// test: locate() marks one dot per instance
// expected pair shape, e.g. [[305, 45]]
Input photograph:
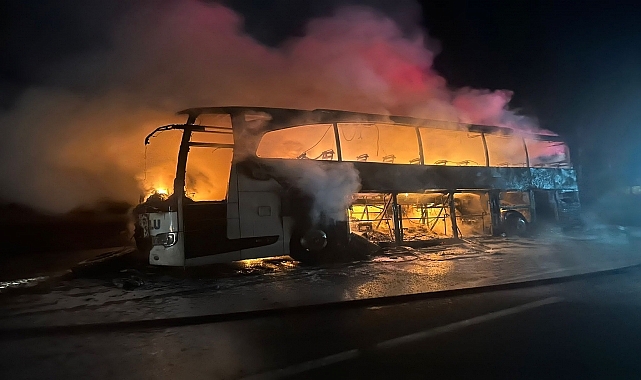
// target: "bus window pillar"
[[495, 211], [455, 231], [532, 206], [398, 220]]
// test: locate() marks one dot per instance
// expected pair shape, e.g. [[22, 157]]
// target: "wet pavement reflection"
[[146, 292]]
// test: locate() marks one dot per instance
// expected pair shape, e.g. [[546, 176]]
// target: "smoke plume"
[[77, 138]]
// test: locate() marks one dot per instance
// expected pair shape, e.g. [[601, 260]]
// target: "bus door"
[[204, 210]]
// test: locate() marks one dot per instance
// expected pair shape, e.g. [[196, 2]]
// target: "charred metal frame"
[[398, 219], [337, 138], [455, 231], [421, 155]]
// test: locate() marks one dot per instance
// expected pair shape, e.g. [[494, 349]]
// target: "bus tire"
[[515, 224], [357, 248], [302, 254], [299, 253]]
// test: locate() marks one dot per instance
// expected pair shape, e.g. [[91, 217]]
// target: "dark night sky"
[[574, 65]]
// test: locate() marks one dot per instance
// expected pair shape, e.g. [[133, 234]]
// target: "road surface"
[[203, 325], [587, 328]]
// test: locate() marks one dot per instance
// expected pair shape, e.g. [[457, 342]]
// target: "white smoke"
[[331, 186]]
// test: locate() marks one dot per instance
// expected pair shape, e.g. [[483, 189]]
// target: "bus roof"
[[338, 116]]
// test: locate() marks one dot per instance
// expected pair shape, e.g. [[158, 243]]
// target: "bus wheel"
[[315, 247], [514, 224], [308, 247]]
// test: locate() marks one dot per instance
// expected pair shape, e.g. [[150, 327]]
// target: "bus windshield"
[[209, 158]]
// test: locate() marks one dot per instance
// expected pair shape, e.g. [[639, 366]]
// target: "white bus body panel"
[[174, 255], [259, 211]]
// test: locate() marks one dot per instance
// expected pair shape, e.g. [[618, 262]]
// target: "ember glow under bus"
[[233, 195]]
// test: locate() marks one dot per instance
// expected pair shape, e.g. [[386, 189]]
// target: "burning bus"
[[252, 182]]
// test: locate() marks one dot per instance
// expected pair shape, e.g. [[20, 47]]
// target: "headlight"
[[167, 239]]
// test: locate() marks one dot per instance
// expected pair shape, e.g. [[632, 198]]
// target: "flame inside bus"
[[207, 167]]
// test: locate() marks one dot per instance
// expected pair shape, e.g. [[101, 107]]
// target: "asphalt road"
[[589, 328]]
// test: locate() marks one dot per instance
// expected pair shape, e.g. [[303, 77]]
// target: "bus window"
[[452, 148], [547, 153], [518, 201], [506, 151], [209, 167], [371, 142], [512, 199], [207, 175], [304, 142], [371, 216], [425, 216], [473, 213], [161, 158]]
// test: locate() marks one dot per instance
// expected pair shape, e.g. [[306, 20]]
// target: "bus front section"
[[186, 165]]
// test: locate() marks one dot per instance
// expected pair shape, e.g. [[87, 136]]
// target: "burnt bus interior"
[[421, 180]]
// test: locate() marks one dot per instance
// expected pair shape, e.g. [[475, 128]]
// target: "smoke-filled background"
[[76, 106]]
